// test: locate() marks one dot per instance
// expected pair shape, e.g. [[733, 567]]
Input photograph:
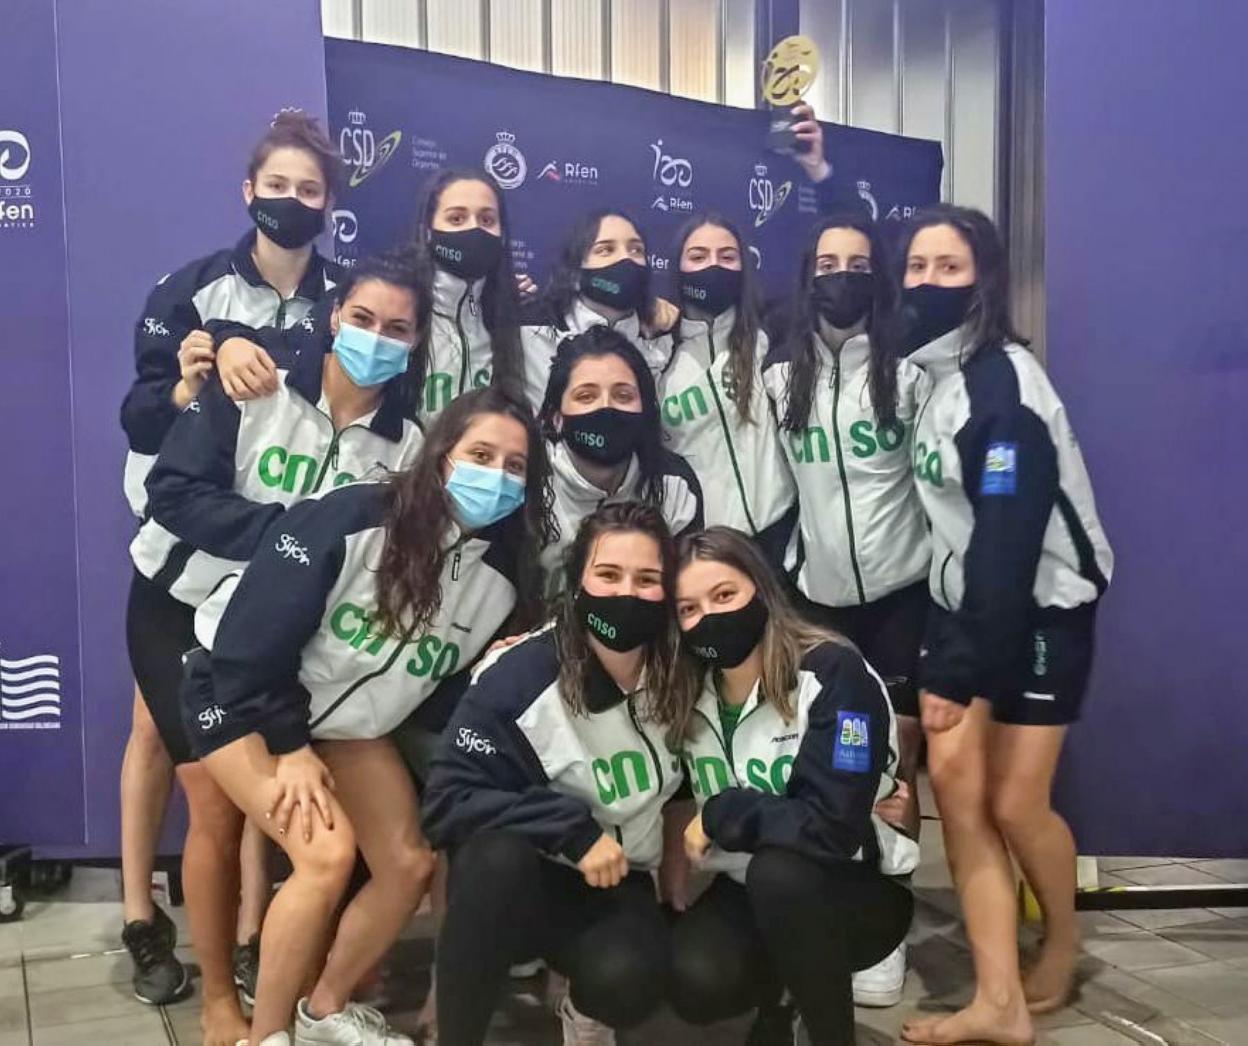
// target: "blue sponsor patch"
[[852, 751], [1000, 470]]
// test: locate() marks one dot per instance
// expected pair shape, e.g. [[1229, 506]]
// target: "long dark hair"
[[787, 637], [599, 341], [803, 326], [499, 308], [988, 316], [409, 589], [743, 338], [564, 286], [571, 636]]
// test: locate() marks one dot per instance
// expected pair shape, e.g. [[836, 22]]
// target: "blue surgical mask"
[[369, 359], [481, 495]]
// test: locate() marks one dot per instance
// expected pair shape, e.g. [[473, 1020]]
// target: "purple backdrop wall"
[[1148, 342], [160, 105]]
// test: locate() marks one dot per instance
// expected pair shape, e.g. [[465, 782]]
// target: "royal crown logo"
[[356, 118]]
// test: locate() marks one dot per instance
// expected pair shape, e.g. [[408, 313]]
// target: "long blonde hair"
[[787, 636]]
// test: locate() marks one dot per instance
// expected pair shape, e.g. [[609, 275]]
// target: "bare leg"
[[910, 741], [982, 872], [146, 781], [257, 882], [210, 879], [301, 912], [1021, 767], [376, 790]]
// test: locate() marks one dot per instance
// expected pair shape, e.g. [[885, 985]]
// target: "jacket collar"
[[312, 285], [306, 377], [449, 291], [582, 317], [580, 491], [602, 693], [708, 700], [700, 331], [854, 353], [945, 355]]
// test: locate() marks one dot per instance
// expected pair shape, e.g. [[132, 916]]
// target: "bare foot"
[[1048, 983], [222, 1022], [979, 1022]]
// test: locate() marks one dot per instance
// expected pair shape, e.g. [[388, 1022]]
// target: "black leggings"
[[794, 924], [507, 904]]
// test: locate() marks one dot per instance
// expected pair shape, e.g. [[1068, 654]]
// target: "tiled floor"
[[1158, 978]]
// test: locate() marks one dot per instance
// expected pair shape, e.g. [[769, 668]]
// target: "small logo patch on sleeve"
[[1000, 470], [852, 751]]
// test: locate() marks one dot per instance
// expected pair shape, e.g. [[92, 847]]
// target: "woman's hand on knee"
[[604, 864], [302, 782], [939, 713]]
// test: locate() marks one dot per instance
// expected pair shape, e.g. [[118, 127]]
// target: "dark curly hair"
[[409, 589], [571, 636]]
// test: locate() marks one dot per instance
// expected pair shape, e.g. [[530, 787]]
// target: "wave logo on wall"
[[30, 689]]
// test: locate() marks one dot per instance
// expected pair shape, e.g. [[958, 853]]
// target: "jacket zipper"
[[463, 342], [732, 452], [658, 767], [459, 555], [943, 567], [399, 648], [840, 467]]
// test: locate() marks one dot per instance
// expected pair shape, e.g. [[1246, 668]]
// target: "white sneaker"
[[278, 1038], [522, 971], [579, 1030], [356, 1025], [880, 985]]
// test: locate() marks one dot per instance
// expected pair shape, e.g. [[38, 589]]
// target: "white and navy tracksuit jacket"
[[863, 532], [542, 334], [809, 785], [227, 470], [294, 652], [225, 286], [746, 480], [515, 757], [460, 354], [1015, 532], [576, 498]]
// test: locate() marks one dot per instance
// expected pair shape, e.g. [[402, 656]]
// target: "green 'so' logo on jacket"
[[612, 777], [810, 445], [684, 407], [927, 467], [708, 774], [601, 627], [868, 439], [433, 658], [483, 377]]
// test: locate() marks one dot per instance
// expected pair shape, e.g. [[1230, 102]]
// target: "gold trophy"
[[788, 72]]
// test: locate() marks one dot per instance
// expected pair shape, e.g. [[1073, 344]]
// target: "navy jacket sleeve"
[[825, 812], [284, 345], [1010, 473], [487, 776], [190, 489], [275, 611], [169, 315]]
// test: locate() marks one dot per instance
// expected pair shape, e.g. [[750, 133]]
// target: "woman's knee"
[[1017, 811], [497, 860], [779, 879], [408, 868], [621, 986], [329, 857], [706, 985]]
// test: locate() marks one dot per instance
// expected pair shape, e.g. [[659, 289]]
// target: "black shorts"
[[1050, 676], [889, 633], [159, 631]]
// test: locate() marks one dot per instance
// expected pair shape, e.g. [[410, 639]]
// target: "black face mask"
[[932, 312], [843, 298], [286, 221], [621, 623], [618, 286], [606, 436], [466, 253], [725, 639], [713, 289]]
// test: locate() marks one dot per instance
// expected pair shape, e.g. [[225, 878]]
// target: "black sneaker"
[[158, 976], [775, 1025], [247, 968]]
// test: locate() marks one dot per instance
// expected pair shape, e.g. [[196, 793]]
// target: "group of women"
[[620, 610]]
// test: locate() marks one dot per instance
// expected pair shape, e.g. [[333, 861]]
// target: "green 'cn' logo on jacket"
[[293, 473], [810, 445], [869, 439], [708, 774], [684, 407], [927, 465], [434, 657], [612, 776]]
